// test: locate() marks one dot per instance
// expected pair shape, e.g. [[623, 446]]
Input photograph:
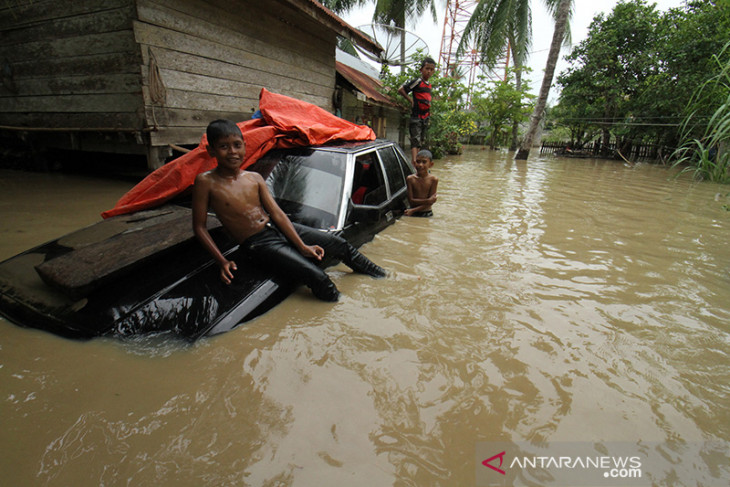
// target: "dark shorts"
[[418, 128], [423, 214]]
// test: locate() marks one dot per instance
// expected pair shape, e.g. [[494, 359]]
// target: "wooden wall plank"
[[175, 135], [194, 83], [81, 65], [83, 84], [248, 69], [184, 117], [267, 36], [257, 20], [179, 99], [111, 42], [248, 87], [277, 19], [71, 26], [20, 13], [231, 78], [71, 103], [69, 119], [209, 102], [223, 54], [185, 62]]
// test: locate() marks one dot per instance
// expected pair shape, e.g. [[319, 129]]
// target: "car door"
[[378, 193], [396, 171]]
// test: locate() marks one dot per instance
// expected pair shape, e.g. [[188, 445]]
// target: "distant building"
[[137, 76], [359, 99]]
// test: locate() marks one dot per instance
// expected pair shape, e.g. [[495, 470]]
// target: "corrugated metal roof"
[[367, 85]]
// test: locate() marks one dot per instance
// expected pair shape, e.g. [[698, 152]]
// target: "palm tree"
[[491, 23], [396, 12], [495, 21], [561, 14], [393, 12], [341, 6]]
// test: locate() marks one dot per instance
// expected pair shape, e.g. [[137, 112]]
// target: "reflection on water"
[[554, 301]]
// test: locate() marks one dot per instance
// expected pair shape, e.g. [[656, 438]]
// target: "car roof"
[[347, 147], [353, 146]]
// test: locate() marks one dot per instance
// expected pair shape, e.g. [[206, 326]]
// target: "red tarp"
[[286, 123]]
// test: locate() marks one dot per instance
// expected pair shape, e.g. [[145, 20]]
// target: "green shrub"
[[707, 157]]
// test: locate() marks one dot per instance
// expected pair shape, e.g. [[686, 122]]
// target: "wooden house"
[[142, 76]]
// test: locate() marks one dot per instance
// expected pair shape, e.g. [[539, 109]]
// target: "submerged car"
[[145, 272]]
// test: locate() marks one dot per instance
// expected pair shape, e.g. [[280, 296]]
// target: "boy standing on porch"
[[420, 105]]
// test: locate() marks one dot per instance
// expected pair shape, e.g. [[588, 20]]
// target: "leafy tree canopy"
[[498, 105], [638, 68]]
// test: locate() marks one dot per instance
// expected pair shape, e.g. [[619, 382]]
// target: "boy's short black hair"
[[427, 60], [425, 153], [220, 128]]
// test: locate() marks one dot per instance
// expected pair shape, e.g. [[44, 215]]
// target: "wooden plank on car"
[[116, 246]]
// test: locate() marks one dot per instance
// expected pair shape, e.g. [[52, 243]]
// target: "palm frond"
[[492, 24], [398, 12], [342, 6]]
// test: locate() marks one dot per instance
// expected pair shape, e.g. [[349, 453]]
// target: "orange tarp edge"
[[286, 123]]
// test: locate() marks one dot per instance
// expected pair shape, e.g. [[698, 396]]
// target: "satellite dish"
[[399, 45]]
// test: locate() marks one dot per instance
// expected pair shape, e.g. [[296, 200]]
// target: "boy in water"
[[242, 202], [422, 186], [420, 105]]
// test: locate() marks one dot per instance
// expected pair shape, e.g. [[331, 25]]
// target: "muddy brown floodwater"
[[555, 302]]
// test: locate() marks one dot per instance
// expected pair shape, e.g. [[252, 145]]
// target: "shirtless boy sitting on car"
[[242, 202]]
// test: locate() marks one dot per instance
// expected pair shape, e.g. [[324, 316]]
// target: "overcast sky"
[[542, 28]]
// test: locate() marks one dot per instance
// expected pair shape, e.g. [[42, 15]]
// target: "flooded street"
[[559, 300]]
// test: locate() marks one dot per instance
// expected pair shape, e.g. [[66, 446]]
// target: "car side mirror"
[[364, 214]]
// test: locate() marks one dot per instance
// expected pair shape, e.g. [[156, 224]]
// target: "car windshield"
[[308, 186]]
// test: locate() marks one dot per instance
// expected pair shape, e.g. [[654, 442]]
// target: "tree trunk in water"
[[547, 80], [605, 141], [518, 87]]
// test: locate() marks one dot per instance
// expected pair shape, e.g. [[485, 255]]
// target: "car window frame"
[[399, 161], [379, 162]]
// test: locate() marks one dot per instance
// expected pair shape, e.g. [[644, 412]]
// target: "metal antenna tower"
[[468, 66]]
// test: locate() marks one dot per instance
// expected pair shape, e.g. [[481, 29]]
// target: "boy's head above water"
[[424, 154], [218, 129], [424, 162]]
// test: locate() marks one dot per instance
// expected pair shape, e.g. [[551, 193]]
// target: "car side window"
[[368, 184], [393, 170], [405, 163]]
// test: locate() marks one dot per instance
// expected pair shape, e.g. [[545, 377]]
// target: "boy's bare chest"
[[241, 195], [422, 185]]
